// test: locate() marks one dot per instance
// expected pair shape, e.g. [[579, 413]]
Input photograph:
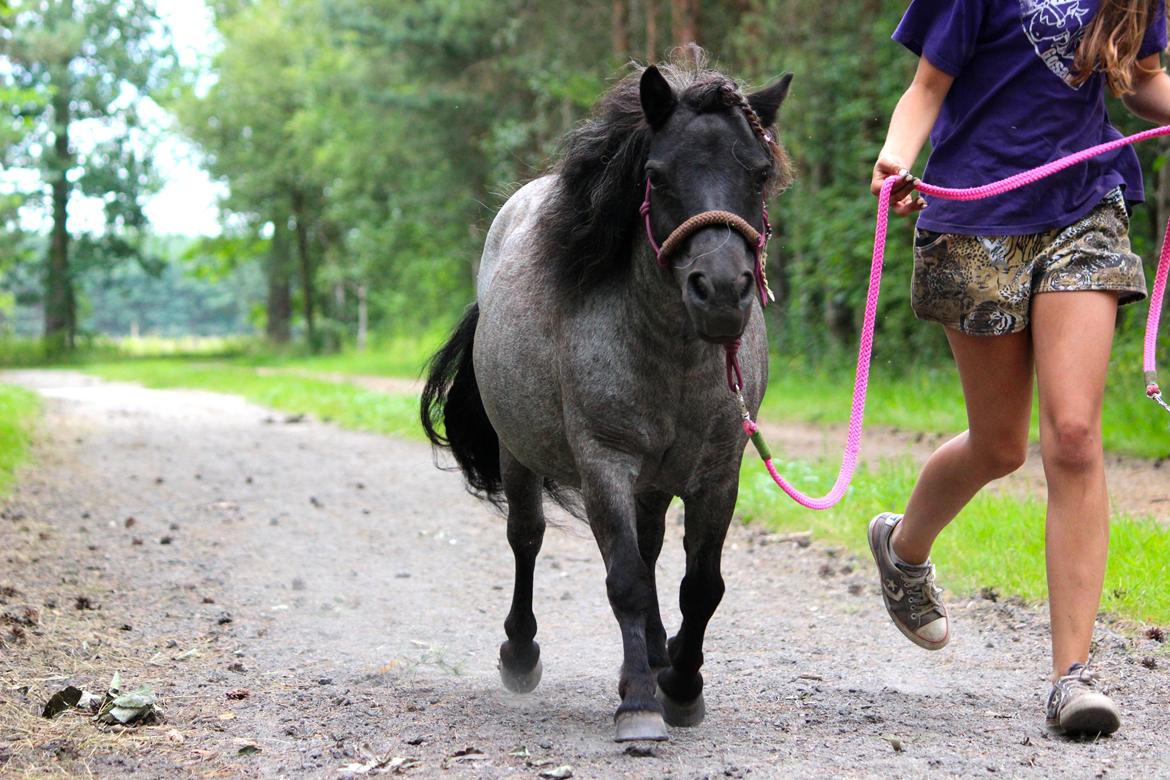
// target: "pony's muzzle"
[[719, 305]]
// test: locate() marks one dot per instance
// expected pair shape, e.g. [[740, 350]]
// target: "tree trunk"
[[278, 269], [363, 329], [60, 317], [651, 31], [684, 21], [620, 32], [308, 291]]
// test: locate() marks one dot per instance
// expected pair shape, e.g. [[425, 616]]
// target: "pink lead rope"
[[865, 349]]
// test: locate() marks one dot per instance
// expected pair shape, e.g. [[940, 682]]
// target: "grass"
[[18, 408], [346, 405], [924, 399], [930, 400], [973, 554], [402, 356]]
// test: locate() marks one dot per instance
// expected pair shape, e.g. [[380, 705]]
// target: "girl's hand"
[[902, 197]]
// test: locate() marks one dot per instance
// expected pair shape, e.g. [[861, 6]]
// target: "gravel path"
[[357, 594]]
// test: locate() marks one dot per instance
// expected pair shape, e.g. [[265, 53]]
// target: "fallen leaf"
[[227, 716], [238, 693], [61, 701], [560, 773], [134, 707]]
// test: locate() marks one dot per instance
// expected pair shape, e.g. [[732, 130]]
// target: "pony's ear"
[[767, 101], [657, 97]]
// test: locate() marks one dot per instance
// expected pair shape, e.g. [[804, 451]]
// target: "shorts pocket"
[[924, 239]]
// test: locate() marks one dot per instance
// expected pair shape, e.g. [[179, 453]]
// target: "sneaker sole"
[[1090, 720], [925, 644]]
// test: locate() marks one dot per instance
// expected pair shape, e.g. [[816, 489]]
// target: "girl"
[[1025, 284]]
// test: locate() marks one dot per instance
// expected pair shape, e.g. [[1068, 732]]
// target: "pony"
[[593, 364]]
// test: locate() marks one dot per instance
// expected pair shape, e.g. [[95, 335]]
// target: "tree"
[[87, 61], [250, 126]]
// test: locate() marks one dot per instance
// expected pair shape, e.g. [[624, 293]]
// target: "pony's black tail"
[[451, 397]]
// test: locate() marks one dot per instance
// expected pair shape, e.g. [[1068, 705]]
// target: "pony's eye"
[[657, 179], [760, 178]]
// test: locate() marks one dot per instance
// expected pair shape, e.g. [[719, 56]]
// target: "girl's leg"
[[1072, 337], [996, 373]]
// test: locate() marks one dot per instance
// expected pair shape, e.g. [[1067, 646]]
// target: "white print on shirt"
[[1055, 27]]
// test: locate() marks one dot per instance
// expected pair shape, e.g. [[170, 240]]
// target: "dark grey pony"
[[586, 367]]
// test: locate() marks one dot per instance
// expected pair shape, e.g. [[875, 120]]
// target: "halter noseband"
[[706, 219]]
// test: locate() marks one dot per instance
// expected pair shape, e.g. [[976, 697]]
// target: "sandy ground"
[[357, 595]]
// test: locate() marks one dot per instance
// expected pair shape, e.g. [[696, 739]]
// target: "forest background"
[[365, 146]]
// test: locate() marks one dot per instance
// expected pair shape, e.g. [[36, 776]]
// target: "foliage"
[[87, 63], [18, 409]]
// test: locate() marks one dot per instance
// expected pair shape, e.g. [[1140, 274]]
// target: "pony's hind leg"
[[520, 666], [680, 687], [651, 512]]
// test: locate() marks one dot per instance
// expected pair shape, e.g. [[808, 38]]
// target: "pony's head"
[[704, 146], [709, 152]]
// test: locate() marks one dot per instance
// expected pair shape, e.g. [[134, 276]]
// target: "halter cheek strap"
[[708, 219]]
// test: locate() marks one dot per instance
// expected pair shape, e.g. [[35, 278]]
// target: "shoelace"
[[921, 592]]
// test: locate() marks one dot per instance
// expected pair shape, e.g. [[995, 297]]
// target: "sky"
[[186, 205]]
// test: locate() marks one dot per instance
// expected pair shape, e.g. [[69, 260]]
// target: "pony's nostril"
[[699, 287], [745, 285]]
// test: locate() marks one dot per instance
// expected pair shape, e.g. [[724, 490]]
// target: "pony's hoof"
[[521, 682], [682, 714], [520, 666], [633, 726]]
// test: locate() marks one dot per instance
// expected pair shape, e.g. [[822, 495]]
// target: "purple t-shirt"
[[1011, 108]]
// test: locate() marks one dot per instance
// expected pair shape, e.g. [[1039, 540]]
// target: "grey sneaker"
[[909, 592], [1076, 707]]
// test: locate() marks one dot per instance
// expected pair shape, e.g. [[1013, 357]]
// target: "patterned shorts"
[[983, 285]]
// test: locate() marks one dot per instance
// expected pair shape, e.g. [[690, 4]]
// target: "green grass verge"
[[347, 405], [996, 542], [18, 409], [402, 356]]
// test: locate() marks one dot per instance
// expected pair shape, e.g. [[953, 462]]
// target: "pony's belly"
[[515, 371]]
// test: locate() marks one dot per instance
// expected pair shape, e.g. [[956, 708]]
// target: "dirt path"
[[358, 595]]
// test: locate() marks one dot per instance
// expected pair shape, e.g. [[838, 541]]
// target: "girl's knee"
[[1000, 458], [1072, 445]]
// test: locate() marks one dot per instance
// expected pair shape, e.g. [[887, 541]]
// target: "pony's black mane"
[[591, 222]]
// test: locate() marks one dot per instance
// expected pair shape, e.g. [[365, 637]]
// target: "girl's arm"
[[1151, 97], [909, 128]]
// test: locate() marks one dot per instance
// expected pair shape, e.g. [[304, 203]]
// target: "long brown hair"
[[1111, 43]]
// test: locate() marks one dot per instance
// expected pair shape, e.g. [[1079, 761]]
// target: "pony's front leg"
[[681, 685], [651, 515], [611, 506]]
